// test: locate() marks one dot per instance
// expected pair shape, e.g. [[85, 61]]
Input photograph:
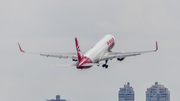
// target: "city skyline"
[[156, 92]]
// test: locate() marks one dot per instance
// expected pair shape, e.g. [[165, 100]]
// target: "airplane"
[[101, 51]]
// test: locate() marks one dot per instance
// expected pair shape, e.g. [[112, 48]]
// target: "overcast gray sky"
[[52, 25]]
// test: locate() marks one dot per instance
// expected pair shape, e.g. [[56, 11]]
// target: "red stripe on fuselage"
[[83, 61]]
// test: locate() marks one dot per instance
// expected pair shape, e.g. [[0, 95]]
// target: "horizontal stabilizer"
[[64, 64], [91, 64]]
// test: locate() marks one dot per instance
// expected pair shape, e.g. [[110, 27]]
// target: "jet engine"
[[74, 60], [120, 59]]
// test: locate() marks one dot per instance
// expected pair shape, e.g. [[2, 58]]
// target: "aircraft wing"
[[57, 55], [111, 55], [60, 55]]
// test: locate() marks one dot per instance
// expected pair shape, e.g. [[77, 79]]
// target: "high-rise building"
[[157, 92], [126, 93], [57, 99]]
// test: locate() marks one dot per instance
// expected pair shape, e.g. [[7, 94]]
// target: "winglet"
[[156, 46], [20, 48]]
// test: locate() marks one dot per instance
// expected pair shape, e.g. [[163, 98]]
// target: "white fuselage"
[[100, 48]]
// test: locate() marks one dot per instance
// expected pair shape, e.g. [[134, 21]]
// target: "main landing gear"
[[105, 65]]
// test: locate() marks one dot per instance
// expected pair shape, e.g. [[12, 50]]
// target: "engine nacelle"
[[74, 60], [120, 59]]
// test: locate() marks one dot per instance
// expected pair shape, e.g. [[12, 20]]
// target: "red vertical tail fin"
[[79, 54]]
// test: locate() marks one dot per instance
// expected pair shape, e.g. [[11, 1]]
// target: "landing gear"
[[105, 65]]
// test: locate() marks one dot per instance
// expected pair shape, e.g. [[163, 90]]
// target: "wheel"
[[106, 66], [103, 65]]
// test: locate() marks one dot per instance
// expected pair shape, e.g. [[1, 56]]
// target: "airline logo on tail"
[[78, 50]]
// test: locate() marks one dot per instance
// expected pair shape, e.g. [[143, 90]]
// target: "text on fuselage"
[[110, 41]]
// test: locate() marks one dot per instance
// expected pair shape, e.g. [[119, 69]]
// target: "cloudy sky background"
[[52, 25]]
